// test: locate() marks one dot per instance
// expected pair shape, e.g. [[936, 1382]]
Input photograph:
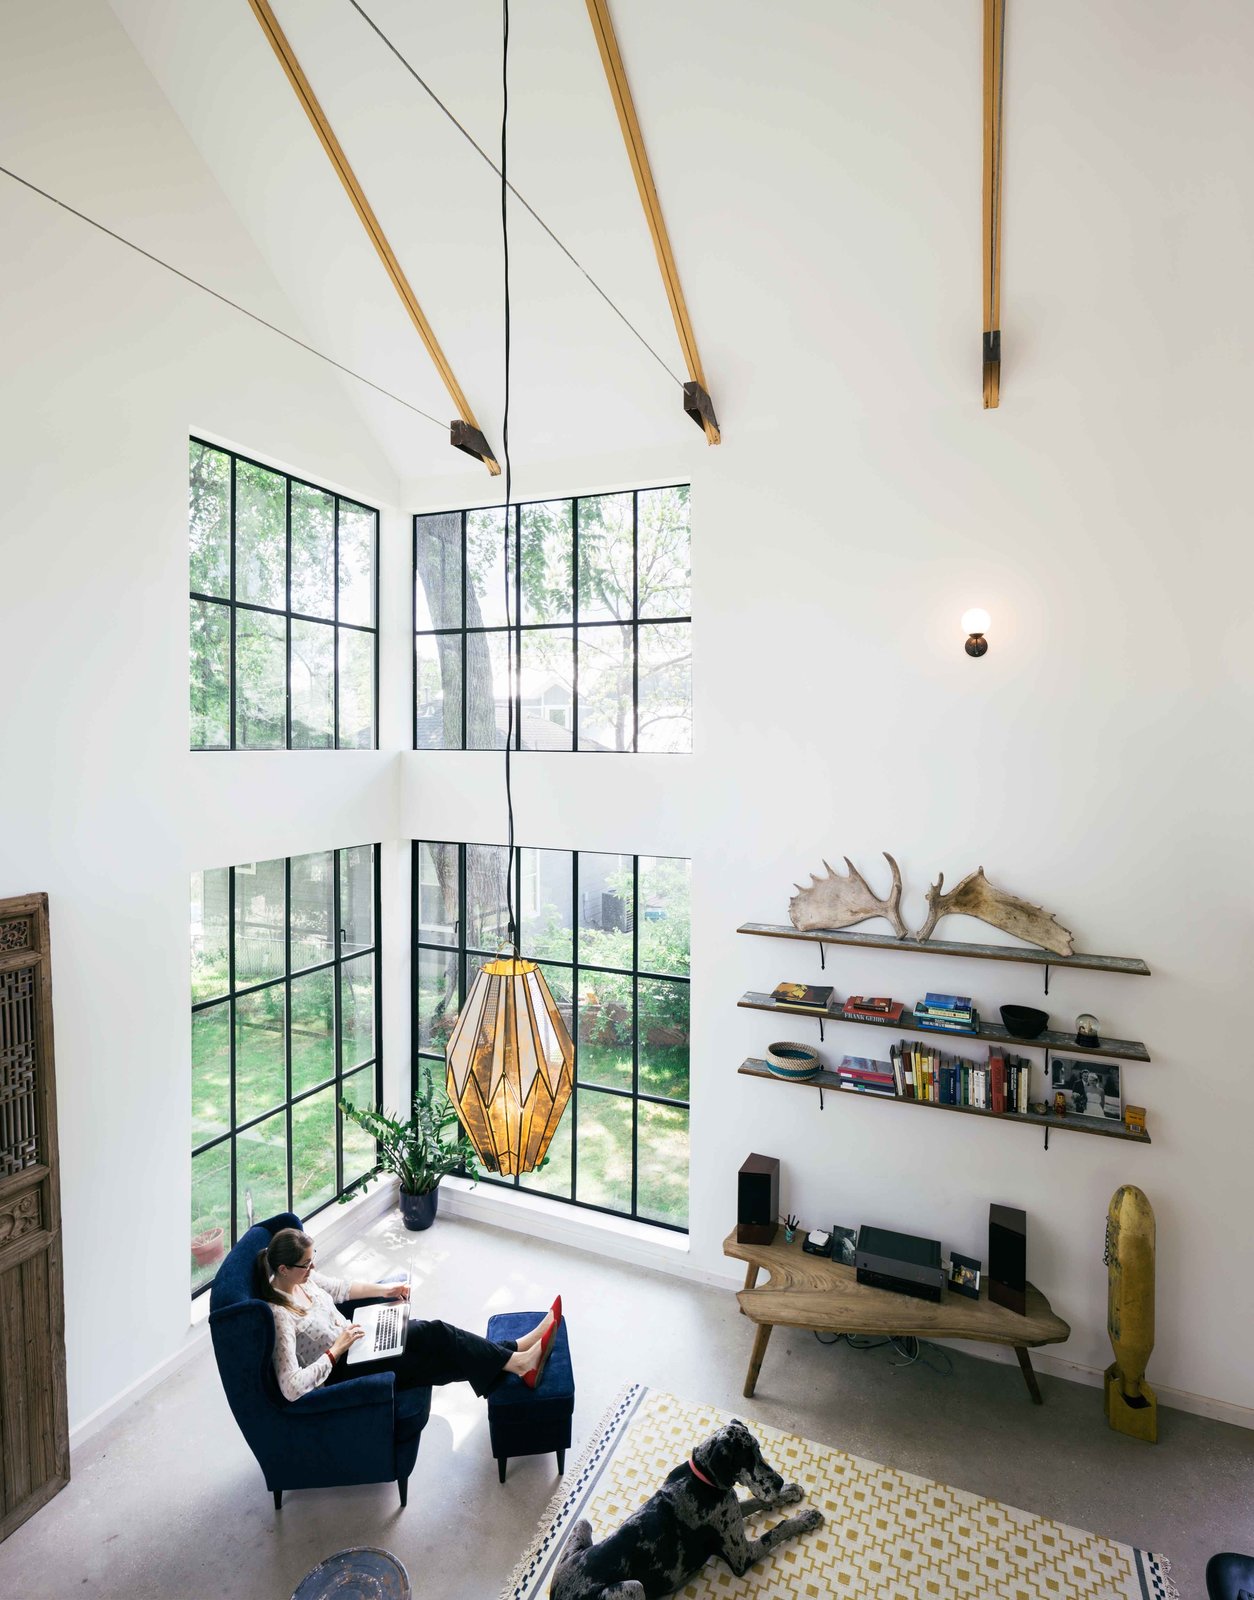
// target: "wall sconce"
[[975, 622]]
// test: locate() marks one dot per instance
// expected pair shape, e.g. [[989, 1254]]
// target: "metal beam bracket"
[[463, 437], [699, 406]]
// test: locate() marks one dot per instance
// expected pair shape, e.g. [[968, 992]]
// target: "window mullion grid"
[[287, 612], [465, 643], [514, 637], [376, 947], [231, 744], [415, 935], [337, 912], [635, 640], [635, 1030], [413, 626], [335, 631], [574, 622], [230, 985], [576, 918], [374, 742], [287, 1012]]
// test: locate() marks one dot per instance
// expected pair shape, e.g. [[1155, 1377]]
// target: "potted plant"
[[207, 1242], [418, 1149]]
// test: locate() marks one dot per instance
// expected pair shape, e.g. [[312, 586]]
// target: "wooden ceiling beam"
[[994, 62], [464, 434], [697, 402]]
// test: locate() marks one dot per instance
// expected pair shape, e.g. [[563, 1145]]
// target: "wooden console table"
[[815, 1292]]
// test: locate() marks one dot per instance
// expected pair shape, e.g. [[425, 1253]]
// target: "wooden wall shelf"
[[828, 1082], [1131, 966], [991, 1032]]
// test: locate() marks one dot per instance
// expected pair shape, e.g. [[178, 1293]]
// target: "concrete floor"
[[168, 1501]]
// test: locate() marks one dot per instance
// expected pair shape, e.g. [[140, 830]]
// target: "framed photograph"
[[964, 1276], [844, 1245], [1089, 1088]]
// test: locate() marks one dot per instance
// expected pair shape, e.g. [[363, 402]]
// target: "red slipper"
[[532, 1378], [556, 1309]]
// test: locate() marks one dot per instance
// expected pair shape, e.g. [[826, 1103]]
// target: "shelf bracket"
[[820, 1097], [1047, 977], [822, 958], [1047, 1135], [820, 1030]]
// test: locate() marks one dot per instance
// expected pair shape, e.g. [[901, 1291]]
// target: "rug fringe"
[[549, 1515], [1170, 1592]]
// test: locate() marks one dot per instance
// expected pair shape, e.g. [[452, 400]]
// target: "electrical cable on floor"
[[234, 305], [500, 172], [908, 1347]]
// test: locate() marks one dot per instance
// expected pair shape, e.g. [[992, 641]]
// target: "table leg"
[[1029, 1377], [751, 1275], [755, 1360]]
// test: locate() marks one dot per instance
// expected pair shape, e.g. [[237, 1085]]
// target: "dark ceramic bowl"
[[1025, 1022]]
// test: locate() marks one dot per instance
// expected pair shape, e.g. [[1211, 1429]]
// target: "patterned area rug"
[[887, 1535]]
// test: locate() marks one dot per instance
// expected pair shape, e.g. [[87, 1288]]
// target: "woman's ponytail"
[[284, 1250]]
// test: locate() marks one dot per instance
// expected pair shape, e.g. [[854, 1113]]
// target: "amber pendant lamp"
[[510, 1059], [510, 1065]]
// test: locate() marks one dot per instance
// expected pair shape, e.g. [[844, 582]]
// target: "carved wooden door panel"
[[34, 1439]]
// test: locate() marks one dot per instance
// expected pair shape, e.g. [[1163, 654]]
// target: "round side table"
[[362, 1573]]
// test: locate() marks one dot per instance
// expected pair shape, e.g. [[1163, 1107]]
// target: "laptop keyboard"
[[387, 1328]]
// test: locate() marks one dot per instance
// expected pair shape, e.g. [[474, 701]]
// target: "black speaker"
[[757, 1200], [1008, 1258]]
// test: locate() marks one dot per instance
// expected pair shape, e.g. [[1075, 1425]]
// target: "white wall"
[[109, 362]]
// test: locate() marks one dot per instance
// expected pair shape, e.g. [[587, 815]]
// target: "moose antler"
[[975, 896], [838, 901]]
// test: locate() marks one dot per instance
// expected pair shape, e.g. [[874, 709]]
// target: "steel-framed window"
[[283, 629], [599, 620], [611, 933], [285, 1020]]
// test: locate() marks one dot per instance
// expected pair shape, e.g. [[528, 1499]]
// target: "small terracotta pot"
[[207, 1247]]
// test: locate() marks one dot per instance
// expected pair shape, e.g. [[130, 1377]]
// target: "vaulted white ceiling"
[[818, 165]]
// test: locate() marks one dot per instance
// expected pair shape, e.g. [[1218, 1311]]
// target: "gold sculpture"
[[1131, 1405]]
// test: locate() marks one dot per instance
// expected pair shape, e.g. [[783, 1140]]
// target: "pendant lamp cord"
[[513, 669]]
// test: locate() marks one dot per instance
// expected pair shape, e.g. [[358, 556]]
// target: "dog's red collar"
[[698, 1473]]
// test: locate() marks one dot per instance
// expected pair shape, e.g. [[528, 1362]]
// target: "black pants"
[[435, 1353]]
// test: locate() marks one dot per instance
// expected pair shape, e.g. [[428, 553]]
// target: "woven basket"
[[796, 1062]]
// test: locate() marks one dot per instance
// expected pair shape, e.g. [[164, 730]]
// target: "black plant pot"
[[418, 1210]]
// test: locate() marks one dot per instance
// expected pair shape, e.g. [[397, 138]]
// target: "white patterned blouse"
[[301, 1362]]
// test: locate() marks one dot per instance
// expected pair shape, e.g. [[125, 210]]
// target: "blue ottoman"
[[531, 1422]]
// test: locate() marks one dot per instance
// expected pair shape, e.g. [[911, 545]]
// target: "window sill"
[[540, 1218]]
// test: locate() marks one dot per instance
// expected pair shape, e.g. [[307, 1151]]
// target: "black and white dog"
[[696, 1514]]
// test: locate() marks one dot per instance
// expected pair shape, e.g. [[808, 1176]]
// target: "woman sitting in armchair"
[[312, 1336]]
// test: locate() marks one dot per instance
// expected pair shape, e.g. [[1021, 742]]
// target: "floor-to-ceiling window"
[[285, 1020], [611, 932]]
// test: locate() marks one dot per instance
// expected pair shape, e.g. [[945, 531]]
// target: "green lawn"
[[261, 1151]]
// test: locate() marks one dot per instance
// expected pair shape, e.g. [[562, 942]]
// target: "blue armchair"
[[362, 1430]]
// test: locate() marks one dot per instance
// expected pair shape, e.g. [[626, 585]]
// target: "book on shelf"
[[879, 1003], [1000, 1083], [812, 996], [863, 1067], [948, 1002], [854, 1011], [939, 1006], [924, 1019]]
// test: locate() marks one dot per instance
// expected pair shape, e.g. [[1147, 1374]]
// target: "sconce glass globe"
[[975, 621]]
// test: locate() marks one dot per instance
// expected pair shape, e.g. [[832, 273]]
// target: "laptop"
[[386, 1324]]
